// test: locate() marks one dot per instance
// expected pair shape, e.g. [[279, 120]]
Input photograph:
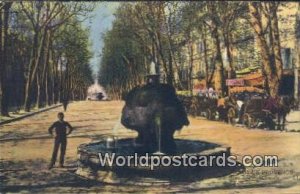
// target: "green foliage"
[[39, 35], [184, 39], [122, 64]]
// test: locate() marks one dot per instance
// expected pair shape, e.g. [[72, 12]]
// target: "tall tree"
[[44, 16], [270, 54], [4, 16], [297, 51]]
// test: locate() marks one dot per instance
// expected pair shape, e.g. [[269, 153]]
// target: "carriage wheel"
[[213, 116], [194, 107], [192, 110], [197, 111], [254, 122], [247, 121], [231, 116], [208, 114]]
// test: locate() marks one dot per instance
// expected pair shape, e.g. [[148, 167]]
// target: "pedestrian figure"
[[65, 103], [60, 135]]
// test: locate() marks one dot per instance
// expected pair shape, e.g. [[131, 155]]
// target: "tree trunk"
[[168, 71], [44, 79], [297, 56], [228, 45], [205, 60], [47, 90], [38, 96], [53, 89], [172, 57], [269, 68], [56, 80], [171, 74], [4, 98], [32, 63], [27, 100], [1, 64], [2, 110], [51, 77], [276, 40], [40, 75], [219, 78], [191, 61]]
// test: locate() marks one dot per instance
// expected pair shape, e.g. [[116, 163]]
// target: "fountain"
[[155, 113]]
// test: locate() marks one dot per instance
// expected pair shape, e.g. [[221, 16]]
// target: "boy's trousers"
[[62, 142]]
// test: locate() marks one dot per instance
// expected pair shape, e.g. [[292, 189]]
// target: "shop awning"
[[247, 70], [235, 82], [254, 79], [245, 89]]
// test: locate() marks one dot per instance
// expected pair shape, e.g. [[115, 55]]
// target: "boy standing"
[[60, 135]]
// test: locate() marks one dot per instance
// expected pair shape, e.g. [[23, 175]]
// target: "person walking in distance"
[[60, 139], [65, 103]]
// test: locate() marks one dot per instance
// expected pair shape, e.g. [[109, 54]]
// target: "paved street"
[[26, 149]]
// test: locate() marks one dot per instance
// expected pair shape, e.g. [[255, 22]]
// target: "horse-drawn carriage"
[[204, 106], [252, 107], [255, 113], [200, 106], [245, 105], [186, 101]]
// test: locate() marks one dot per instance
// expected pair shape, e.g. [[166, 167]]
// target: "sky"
[[99, 22]]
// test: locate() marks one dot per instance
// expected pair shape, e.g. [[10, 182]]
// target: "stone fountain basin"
[[89, 165]]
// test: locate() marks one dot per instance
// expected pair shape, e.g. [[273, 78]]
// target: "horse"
[[284, 106]]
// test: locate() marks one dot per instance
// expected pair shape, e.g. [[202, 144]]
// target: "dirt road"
[[25, 150]]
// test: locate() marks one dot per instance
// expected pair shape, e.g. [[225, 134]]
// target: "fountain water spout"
[[112, 142], [158, 134]]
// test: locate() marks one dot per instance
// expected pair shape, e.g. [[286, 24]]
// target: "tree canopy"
[[192, 40], [44, 53]]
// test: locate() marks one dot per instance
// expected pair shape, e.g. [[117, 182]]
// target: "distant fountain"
[[94, 91]]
